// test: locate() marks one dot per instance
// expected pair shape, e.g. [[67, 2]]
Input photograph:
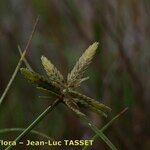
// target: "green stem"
[[103, 137], [111, 121], [19, 63], [6, 130], [24, 59], [100, 134], [35, 122], [106, 126]]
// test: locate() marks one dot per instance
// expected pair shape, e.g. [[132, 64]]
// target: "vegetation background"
[[119, 75]]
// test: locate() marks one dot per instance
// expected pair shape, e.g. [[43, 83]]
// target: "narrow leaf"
[[99, 134], [106, 127], [19, 63], [6, 130], [24, 59]]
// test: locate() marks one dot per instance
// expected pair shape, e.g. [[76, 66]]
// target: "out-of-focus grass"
[[61, 36], [18, 65]]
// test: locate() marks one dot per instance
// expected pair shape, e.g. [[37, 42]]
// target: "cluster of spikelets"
[[65, 90]]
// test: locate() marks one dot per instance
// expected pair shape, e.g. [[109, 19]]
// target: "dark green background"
[[119, 74]]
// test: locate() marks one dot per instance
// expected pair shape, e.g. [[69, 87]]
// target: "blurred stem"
[[75, 16], [106, 126], [35, 122], [6, 130], [24, 59], [19, 63]]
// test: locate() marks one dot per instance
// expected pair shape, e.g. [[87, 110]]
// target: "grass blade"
[[114, 119], [101, 135], [6, 130], [106, 126], [19, 63], [24, 59], [35, 122]]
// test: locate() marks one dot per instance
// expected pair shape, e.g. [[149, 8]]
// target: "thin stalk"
[[35, 122], [106, 126], [114, 119], [6, 130], [19, 63], [103, 137], [100, 134], [24, 59]]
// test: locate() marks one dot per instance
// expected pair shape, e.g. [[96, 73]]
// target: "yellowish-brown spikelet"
[[76, 75], [52, 72]]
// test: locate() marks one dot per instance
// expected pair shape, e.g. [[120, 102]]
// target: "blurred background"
[[119, 74]]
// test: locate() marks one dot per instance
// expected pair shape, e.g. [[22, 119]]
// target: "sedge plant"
[[65, 92]]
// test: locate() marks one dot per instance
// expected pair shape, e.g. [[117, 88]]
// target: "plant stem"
[[111, 121], [6, 130], [35, 122], [99, 133], [19, 63], [106, 126], [24, 59]]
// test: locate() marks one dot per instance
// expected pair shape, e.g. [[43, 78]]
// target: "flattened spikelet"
[[73, 106], [75, 77], [40, 81], [65, 90], [52, 72], [84, 104], [90, 101]]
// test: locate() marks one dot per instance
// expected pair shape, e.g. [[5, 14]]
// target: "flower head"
[[66, 90]]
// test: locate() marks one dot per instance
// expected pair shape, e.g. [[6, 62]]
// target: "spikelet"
[[76, 75], [73, 106], [84, 104], [40, 81], [90, 101], [52, 72], [64, 91]]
